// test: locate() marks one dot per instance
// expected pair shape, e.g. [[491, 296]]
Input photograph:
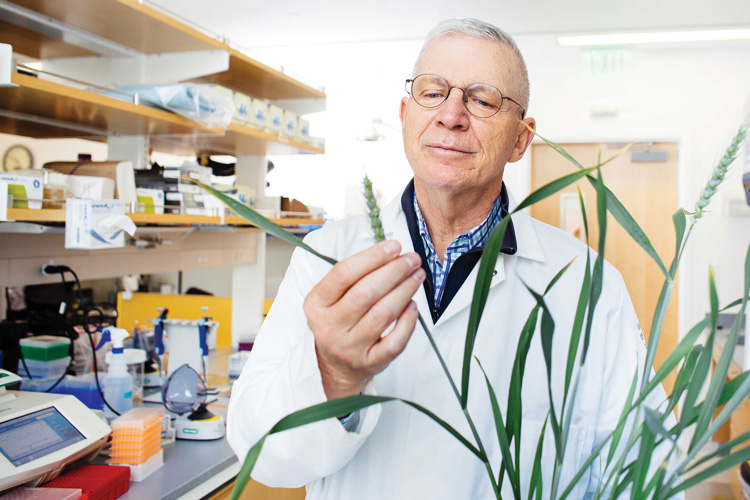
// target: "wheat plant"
[[640, 429]]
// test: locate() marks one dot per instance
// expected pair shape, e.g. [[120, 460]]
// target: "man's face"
[[450, 149]]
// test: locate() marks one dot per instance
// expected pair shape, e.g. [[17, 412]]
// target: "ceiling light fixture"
[[654, 37]]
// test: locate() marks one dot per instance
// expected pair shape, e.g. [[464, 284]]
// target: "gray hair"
[[486, 31]]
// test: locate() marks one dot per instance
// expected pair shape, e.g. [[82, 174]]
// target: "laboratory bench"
[[191, 470], [195, 470]]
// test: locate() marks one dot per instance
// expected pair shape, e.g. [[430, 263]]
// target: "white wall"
[[362, 81], [693, 95]]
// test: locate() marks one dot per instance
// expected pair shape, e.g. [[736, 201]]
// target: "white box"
[[3, 200], [290, 125], [274, 119], [92, 188], [91, 225], [152, 199], [119, 171], [258, 112], [242, 105], [29, 187], [303, 130]]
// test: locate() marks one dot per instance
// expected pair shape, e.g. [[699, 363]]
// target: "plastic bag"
[[206, 104]]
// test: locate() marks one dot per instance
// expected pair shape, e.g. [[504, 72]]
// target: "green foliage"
[[719, 172], [373, 210], [628, 450]]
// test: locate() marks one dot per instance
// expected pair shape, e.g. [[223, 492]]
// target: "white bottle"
[[118, 383]]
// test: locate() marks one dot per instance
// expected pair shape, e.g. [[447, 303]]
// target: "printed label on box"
[[91, 225], [27, 190]]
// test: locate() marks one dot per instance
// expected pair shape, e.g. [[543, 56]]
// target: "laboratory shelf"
[[254, 78], [237, 139], [138, 26], [39, 45], [75, 112], [57, 215]]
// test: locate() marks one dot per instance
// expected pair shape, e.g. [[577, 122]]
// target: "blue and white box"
[[242, 105], [96, 224], [258, 112], [274, 119], [289, 129]]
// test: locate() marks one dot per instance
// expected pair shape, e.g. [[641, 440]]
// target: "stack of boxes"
[[136, 441], [46, 358], [164, 186], [259, 114]]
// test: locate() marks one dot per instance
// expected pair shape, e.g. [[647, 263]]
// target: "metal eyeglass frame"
[[410, 81]]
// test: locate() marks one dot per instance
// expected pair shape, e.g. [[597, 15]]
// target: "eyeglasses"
[[480, 99]]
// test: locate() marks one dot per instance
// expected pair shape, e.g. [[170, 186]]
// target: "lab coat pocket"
[[574, 456]]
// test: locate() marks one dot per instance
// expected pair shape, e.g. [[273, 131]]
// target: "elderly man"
[[463, 121]]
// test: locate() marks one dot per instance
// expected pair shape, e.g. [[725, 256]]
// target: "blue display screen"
[[24, 439]]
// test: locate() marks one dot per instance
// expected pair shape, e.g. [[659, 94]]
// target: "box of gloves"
[[96, 224]]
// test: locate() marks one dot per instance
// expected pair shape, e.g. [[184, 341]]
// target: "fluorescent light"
[[654, 37]]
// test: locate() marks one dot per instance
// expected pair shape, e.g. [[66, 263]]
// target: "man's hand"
[[353, 305]]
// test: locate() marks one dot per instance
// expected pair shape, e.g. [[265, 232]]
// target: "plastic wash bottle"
[[118, 383]]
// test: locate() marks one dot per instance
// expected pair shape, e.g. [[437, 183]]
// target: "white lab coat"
[[398, 453]]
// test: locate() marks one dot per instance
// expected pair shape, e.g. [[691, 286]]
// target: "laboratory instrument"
[[159, 336], [185, 394], [40, 434], [188, 342]]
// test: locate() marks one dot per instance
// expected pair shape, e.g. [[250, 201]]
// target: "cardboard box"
[[303, 130], [92, 225], [3, 200], [27, 189], [274, 119], [119, 171], [258, 113], [242, 106], [151, 199], [92, 188], [290, 125]]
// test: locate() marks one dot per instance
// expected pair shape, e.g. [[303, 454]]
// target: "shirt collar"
[[500, 209]]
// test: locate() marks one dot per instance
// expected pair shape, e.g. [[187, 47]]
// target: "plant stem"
[[377, 229], [473, 428], [439, 356], [482, 450]]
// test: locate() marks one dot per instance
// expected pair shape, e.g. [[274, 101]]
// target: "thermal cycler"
[[41, 434]]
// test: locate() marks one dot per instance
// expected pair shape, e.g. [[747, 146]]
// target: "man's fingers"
[[371, 289], [387, 348], [386, 310], [347, 272]]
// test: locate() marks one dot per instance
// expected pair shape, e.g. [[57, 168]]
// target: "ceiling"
[[252, 24]]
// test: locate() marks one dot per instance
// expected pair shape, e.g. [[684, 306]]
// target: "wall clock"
[[17, 157]]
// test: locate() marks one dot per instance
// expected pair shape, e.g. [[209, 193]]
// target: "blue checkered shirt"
[[459, 246]]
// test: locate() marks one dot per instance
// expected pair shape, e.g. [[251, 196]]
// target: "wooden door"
[[649, 191], [256, 491]]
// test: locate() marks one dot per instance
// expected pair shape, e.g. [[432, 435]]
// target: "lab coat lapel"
[[465, 294], [528, 248]]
